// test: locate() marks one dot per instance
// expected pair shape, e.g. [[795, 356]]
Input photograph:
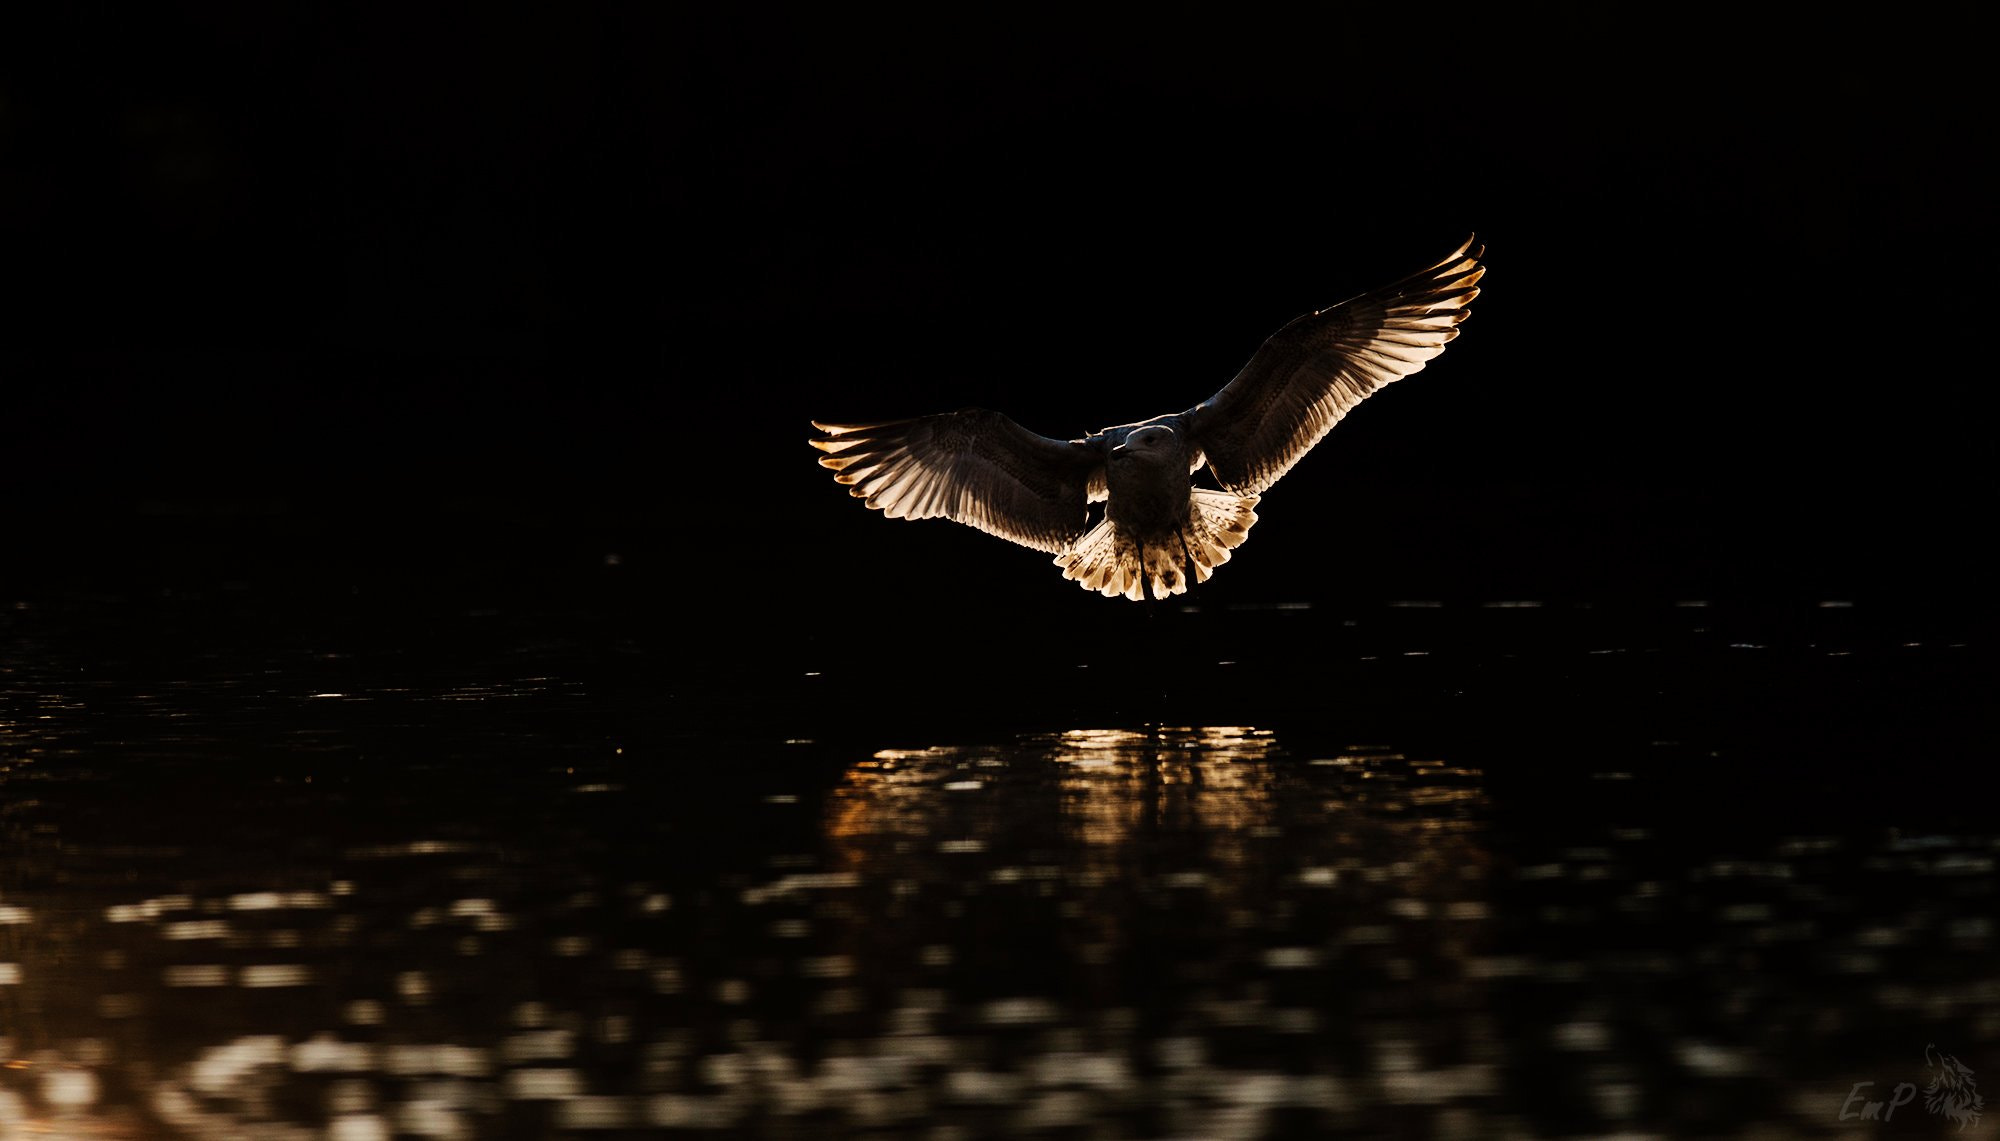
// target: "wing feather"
[[1312, 372], [974, 467]]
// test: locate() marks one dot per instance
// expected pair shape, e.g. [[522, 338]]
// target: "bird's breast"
[[1145, 494]]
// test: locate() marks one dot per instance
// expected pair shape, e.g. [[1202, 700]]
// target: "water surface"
[[289, 871]]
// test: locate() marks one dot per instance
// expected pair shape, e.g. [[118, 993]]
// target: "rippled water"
[[265, 874]]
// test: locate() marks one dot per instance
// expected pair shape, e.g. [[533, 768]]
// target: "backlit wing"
[[1307, 375], [975, 467]]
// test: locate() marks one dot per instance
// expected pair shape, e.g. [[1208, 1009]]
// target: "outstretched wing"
[[975, 467], [1307, 375]]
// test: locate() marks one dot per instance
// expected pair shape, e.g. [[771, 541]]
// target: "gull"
[[982, 469]]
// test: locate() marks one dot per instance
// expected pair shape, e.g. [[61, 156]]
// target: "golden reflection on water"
[[1198, 931], [1189, 890], [1217, 795], [1106, 786], [1216, 781]]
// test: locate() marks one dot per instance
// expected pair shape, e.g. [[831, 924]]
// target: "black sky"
[[582, 273]]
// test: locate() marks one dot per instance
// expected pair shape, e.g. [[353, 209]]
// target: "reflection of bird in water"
[[982, 469]]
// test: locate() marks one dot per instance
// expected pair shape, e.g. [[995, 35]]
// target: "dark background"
[[474, 293]]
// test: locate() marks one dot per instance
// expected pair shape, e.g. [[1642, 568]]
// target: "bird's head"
[[1152, 439]]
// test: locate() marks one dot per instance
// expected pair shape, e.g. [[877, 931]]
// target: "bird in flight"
[[982, 469]]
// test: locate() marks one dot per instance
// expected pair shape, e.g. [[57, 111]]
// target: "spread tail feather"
[[1112, 563]]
